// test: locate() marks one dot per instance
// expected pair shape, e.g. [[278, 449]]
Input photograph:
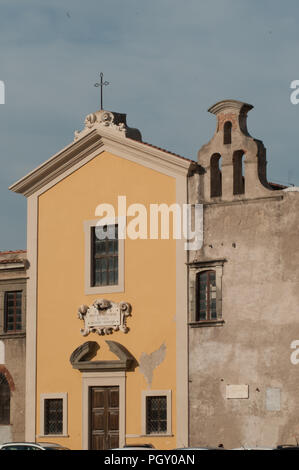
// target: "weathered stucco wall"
[[13, 347], [15, 363], [257, 239], [260, 298]]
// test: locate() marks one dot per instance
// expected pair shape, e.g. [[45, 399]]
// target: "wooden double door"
[[103, 418]]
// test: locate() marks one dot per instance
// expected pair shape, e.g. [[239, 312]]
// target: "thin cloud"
[[166, 62]]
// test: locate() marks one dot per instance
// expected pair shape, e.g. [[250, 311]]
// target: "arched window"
[[216, 176], [4, 400], [227, 133], [206, 296], [239, 180]]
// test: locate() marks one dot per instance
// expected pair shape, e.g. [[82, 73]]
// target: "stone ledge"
[[243, 201], [202, 324], [12, 335]]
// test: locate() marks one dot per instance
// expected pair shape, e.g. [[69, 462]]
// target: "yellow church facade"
[[107, 328]]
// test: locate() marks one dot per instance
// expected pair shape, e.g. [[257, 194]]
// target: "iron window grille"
[[4, 401], [104, 256], [156, 414], [13, 311], [53, 419], [206, 296]]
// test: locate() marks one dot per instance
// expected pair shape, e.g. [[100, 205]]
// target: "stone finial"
[[110, 121]]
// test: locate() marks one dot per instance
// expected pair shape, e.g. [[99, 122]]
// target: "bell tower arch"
[[243, 159]]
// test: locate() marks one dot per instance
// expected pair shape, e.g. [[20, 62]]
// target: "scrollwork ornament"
[[104, 317]]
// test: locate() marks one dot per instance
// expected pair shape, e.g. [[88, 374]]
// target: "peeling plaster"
[[149, 362]]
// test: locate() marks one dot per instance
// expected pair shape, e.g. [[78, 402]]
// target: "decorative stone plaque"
[[104, 317], [237, 391]]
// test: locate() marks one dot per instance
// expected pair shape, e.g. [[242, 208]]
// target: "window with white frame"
[[53, 412], [104, 258]]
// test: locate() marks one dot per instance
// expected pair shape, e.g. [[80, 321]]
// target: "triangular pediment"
[[89, 146]]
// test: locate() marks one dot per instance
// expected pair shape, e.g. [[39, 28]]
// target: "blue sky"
[[167, 61]]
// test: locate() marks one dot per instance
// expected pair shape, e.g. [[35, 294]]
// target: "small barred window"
[[156, 414], [4, 401], [53, 416]]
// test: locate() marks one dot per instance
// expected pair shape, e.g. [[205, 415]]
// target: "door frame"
[[103, 379]]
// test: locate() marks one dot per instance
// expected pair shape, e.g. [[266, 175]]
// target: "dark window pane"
[[100, 247], [212, 278], [111, 277], [156, 414], [4, 401], [13, 311], [206, 296], [53, 416], [105, 257], [202, 316], [97, 278], [103, 264], [104, 278]]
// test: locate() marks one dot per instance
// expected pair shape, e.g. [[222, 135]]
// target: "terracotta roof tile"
[[164, 150], [10, 261], [11, 257]]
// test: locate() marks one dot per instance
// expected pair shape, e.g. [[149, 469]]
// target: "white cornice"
[[96, 139], [56, 165]]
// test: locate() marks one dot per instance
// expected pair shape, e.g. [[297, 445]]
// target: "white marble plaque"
[[237, 391], [98, 318]]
